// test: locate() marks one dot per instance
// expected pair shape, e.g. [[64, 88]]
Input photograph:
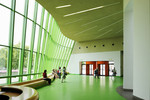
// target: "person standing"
[[114, 72], [63, 74], [96, 73], [59, 72]]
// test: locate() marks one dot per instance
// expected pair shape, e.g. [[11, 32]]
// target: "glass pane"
[[36, 38], [111, 67], [15, 64], [39, 62], [6, 2], [83, 69], [3, 61], [24, 78], [15, 79], [26, 56], [3, 80], [33, 62], [31, 9], [39, 13], [28, 34], [45, 42], [101, 69], [32, 77], [4, 25], [18, 30], [45, 16], [20, 6], [15, 61], [49, 23], [42, 40]]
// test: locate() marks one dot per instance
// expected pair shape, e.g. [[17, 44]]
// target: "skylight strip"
[[103, 33], [111, 25], [101, 18], [73, 22], [85, 30], [84, 11], [90, 9], [63, 6]]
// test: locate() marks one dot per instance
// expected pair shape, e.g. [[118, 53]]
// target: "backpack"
[[57, 71]]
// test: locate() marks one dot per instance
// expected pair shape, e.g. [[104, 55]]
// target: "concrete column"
[[141, 49], [128, 45]]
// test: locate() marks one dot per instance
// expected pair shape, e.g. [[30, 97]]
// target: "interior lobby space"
[[74, 49]]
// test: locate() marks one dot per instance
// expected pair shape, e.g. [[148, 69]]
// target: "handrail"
[[19, 75]]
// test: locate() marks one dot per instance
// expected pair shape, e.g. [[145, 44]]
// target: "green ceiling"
[[106, 22]]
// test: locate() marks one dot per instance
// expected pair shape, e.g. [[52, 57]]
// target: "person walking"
[[96, 73], [63, 74]]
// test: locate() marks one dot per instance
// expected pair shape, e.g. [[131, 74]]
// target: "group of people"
[[96, 74], [57, 74]]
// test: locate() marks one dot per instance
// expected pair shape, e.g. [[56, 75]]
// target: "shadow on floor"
[[128, 94]]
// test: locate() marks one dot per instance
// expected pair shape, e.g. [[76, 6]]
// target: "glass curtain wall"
[[30, 41]]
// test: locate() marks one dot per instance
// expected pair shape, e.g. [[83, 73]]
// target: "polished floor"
[[79, 87]]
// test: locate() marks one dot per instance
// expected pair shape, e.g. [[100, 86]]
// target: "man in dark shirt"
[[96, 73]]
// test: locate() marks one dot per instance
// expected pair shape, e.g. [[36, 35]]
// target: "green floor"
[[79, 87]]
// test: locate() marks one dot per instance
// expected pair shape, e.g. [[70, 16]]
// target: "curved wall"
[[30, 41]]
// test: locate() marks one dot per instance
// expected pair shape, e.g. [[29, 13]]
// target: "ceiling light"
[[84, 11], [63, 6], [91, 9]]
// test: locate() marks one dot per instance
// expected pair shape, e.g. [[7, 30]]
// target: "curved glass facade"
[[30, 41]]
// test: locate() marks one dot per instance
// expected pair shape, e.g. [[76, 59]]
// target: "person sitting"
[[54, 72], [45, 77]]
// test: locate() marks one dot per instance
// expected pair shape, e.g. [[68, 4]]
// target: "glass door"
[[111, 67], [83, 69], [102, 69], [91, 69]]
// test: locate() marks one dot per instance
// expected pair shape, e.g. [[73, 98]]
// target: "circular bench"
[[19, 93]]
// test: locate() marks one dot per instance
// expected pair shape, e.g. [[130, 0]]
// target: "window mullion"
[[39, 42], [21, 60], [11, 35], [32, 40]]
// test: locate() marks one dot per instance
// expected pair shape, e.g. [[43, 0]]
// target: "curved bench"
[[37, 83], [24, 90], [19, 93]]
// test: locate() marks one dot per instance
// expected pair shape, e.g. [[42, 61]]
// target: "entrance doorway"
[[104, 67]]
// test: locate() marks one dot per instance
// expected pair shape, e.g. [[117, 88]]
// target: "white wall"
[[141, 51], [128, 46], [73, 65], [137, 47]]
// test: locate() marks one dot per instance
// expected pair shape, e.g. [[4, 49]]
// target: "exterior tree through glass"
[[30, 41]]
